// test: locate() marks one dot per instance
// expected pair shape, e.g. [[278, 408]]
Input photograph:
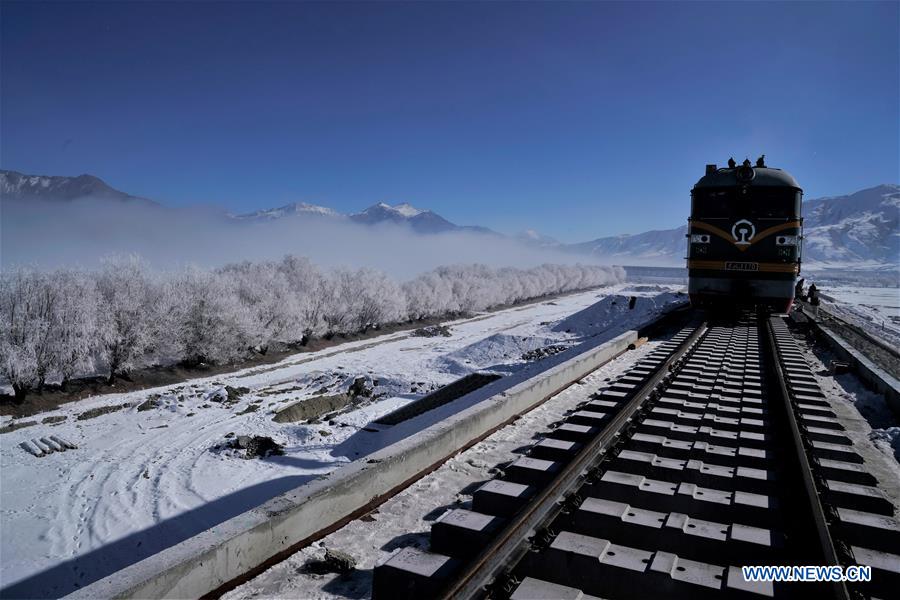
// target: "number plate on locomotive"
[[741, 266]]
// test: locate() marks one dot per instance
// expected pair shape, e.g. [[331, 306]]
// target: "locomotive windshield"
[[760, 203]]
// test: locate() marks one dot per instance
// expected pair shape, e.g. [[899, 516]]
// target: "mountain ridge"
[[20, 186]]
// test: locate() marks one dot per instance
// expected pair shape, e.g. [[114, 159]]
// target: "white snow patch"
[[406, 209], [612, 313], [875, 310]]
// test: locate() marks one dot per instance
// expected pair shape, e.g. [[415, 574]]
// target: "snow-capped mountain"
[[860, 229], [289, 210], [405, 209], [662, 247], [419, 220], [18, 186], [422, 221]]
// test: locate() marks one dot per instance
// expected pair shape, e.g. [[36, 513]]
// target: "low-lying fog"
[[49, 234]]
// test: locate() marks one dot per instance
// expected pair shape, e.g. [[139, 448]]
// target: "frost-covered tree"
[[208, 321], [46, 326], [430, 295], [54, 324], [338, 291], [26, 321], [273, 308], [376, 300], [310, 290], [128, 316], [74, 334], [469, 288]]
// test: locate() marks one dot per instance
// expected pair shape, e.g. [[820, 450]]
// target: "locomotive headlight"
[[699, 238], [786, 240]]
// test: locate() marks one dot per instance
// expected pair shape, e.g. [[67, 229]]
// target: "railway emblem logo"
[[742, 232]]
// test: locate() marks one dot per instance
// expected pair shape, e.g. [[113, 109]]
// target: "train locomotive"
[[744, 237]]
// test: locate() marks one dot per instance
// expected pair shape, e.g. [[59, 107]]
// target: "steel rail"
[[812, 494], [506, 548]]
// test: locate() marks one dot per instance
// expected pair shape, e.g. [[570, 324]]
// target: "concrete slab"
[[461, 533], [501, 498], [411, 573]]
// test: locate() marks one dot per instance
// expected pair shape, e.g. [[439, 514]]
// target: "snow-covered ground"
[[876, 310], [141, 481]]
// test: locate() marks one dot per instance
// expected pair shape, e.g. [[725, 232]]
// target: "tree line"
[[68, 323]]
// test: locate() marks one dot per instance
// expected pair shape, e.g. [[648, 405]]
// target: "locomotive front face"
[[744, 238]]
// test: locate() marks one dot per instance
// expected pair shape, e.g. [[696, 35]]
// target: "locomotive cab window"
[[714, 205], [775, 206], [766, 204]]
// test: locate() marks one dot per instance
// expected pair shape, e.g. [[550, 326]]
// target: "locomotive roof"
[[765, 177]]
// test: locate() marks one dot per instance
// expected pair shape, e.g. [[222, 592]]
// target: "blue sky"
[[576, 119]]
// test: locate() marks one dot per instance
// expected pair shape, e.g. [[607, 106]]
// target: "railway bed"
[[716, 450]]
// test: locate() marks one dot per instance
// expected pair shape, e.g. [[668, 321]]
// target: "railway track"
[[717, 450]]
